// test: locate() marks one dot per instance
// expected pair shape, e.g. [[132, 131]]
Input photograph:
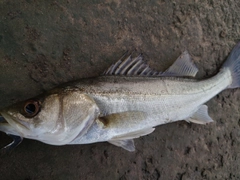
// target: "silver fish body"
[[161, 100], [125, 103]]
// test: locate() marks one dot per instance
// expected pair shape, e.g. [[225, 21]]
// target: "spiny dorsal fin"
[[129, 66]]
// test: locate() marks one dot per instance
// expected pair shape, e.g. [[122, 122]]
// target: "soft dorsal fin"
[[129, 66], [183, 66]]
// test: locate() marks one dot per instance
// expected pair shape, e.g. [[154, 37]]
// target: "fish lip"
[[7, 119], [2, 119]]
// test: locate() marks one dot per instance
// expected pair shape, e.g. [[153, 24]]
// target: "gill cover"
[[64, 114]]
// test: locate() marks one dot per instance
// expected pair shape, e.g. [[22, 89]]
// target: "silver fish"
[[127, 102]]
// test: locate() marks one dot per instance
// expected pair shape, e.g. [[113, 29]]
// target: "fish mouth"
[[9, 125], [2, 119], [5, 126]]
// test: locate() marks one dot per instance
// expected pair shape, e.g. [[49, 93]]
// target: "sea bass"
[[127, 102]]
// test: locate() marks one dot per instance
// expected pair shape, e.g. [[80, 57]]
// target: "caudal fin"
[[233, 64]]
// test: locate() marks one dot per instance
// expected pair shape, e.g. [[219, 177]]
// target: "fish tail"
[[233, 64]]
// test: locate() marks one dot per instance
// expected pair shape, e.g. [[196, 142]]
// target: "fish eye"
[[31, 108]]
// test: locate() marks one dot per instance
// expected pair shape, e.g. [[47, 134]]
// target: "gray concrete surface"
[[46, 43]]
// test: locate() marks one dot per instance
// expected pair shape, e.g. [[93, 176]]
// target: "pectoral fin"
[[201, 116], [125, 121], [117, 120], [135, 134]]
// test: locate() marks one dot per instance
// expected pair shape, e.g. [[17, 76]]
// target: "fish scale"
[[160, 108]]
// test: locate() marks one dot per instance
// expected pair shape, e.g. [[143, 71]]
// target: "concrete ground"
[[46, 43]]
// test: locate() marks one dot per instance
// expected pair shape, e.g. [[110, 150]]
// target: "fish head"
[[54, 118]]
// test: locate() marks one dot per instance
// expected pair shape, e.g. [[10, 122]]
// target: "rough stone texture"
[[45, 43]]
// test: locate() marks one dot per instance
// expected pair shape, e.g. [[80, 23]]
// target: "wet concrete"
[[46, 43]]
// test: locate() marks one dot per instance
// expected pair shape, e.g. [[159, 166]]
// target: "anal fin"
[[201, 116], [127, 144]]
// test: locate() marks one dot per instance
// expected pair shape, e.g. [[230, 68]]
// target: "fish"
[[128, 101]]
